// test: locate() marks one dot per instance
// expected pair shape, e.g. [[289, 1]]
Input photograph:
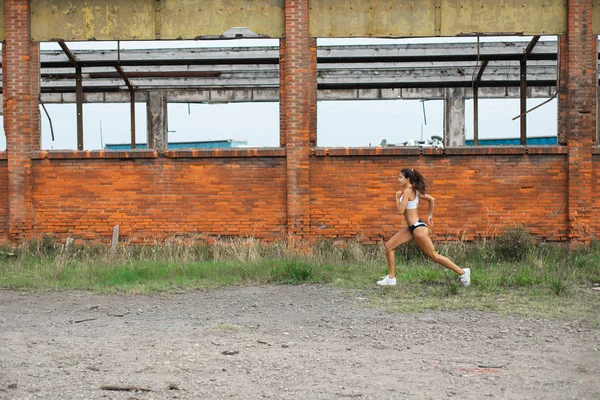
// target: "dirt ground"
[[281, 342]]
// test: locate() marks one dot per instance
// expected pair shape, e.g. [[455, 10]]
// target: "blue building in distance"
[[209, 144], [532, 141]]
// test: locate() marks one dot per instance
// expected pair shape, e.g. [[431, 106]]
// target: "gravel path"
[[281, 342]]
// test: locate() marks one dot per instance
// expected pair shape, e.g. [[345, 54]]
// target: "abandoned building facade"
[[298, 189]]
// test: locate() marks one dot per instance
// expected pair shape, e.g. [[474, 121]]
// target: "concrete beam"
[[193, 19], [272, 95], [153, 20], [2, 23], [385, 18]]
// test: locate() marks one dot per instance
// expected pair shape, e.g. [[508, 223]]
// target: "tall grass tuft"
[[292, 272], [513, 244]]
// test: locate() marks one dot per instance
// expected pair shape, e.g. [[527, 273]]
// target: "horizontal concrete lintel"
[[596, 150], [272, 95], [100, 97]]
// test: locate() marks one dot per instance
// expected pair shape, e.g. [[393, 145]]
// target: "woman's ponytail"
[[418, 182]]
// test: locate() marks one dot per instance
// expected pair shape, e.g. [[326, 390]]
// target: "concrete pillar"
[[21, 116], [581, 109], [156, 111], [297, 92], [454, 117]]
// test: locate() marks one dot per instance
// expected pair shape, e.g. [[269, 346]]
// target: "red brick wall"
[[282, 91], [352, 191], [299, 92], [36, 127], [476, 195], [563, 80], [581, 108], [3, 198], [159, 197], [312, 94], [20, 92], [595, 194]]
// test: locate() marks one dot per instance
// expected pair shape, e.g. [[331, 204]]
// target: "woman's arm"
[[431, 201], [402, 204]]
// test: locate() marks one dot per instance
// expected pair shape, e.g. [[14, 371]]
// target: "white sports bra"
[[412, 204]]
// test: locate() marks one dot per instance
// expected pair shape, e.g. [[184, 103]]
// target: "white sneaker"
[[466, 278], [387, 281]]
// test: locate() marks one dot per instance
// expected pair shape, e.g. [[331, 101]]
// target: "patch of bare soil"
[[281, 342]]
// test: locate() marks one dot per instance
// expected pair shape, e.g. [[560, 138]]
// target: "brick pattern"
[[297, 91], [36, 123], [282, 91], [152, 198], [84, 194], [299, 190], [476, 195], [3, 198], [19, 116], [563, 79], [595, 195], [312, 94], [582, 89]]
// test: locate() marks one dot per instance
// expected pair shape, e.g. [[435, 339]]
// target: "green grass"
[[546, 281]]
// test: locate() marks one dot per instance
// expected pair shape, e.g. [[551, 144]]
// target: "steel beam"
[[79, 101], [132, 103], [475, 84], [78, 91], [523, 86]]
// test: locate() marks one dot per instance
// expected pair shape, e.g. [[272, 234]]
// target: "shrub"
[[513, 244]]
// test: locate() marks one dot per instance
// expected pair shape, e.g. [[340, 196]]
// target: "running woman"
[[407, 202]]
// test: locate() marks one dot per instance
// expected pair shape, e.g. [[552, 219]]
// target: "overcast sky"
[[339, 123]]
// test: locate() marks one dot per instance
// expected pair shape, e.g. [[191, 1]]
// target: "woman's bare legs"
[[422, 239], [401, 237]]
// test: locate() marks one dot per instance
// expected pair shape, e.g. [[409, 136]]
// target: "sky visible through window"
[[339, 123]]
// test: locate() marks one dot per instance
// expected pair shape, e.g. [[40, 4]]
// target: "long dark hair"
[[418, 182]]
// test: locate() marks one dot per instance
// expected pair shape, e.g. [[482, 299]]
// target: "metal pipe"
[[132, 103], [49, 119], [475, 86]]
